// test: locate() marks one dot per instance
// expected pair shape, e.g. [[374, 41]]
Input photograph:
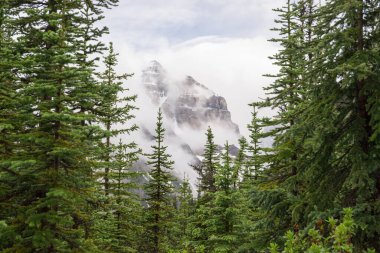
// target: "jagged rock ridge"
[[187, 103]]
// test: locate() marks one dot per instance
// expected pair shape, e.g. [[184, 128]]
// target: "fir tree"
[[241, 168], [221, 222], [206, 189], [258, 154], [9, 126], [53, 162], [118, 229], [115, 110], [277, 194], [119, 222], [184, 212], [89, 92], [341, 162], [158, 191], [207, 168]]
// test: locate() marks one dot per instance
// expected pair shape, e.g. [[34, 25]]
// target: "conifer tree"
[[241, 168], [206, 189], [222, 224], [53, 162], [158, 191], [323, 143], [115, 110], [277, 197], [258, 155], [119, 222], [118, 229], [207, 168], [341, 161], [9, 126], [89, 92], [89, 48], [185, 209]]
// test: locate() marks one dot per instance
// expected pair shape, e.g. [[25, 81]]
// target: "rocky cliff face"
[[189, 108], [155, 83], [188, 103]]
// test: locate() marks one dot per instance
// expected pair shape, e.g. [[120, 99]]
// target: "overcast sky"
[[221, 43]]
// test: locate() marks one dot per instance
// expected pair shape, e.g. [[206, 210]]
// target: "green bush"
[[337, 240]]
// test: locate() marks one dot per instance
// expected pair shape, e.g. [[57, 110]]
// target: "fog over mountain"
[[189, 108]]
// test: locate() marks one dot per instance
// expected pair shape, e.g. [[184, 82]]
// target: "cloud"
[[144, 22], [231, 67], [221, 43]]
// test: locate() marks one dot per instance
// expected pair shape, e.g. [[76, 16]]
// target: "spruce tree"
[[241, 168], [221, 222], [115, 110], [158, 191], [117, 230], [258, 155], [206, 188], [119, 222], [277, 195], [52, 182], [341, 161], [89, 92], [9, 126], [207, 168], [325, 143], [185, 209]]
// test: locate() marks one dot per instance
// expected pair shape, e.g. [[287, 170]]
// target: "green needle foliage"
[[337, 240], [207, 187], [325, 142], [49, 169], [114, 112], [241, 171], [207, 169], [117, 227], [180, 234], [67, 184], [118, 222], [159, 191]]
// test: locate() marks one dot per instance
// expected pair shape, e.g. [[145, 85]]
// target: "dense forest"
[[68, 182]]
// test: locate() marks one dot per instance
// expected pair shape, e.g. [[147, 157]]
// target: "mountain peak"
[[155, 63], [154, 67], [191, 104]]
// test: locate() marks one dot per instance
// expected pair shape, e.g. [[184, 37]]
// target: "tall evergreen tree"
[[52, 180], [118, 229], [241, 168], [341, 161], [119, 222], [89, 92], [180, 233], [220, 224], [9, 126], [206, 189], [207, 168], [158, 191], [258, 155], [324, 143], [115, 110], [278, 193]]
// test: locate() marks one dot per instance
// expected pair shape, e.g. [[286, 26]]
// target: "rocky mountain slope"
[[187, 103], [189, 108]]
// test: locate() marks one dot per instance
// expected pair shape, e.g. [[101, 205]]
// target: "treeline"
[[67, 182]]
